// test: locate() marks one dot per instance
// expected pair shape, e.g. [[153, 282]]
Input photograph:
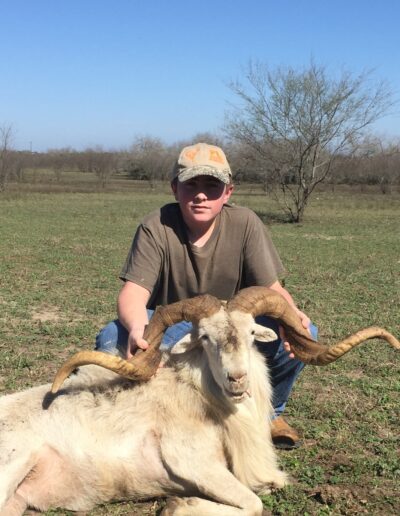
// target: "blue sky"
[[93, 72]]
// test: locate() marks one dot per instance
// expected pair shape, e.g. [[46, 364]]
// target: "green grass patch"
[[60, 255]]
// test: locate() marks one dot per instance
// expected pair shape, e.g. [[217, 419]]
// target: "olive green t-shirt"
[[238, 254]]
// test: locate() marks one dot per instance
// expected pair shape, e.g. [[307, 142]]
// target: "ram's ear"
[[263, 334], [183, 345]]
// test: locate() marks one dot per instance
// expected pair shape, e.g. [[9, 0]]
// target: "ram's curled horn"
[[264, 301], [142, 366]]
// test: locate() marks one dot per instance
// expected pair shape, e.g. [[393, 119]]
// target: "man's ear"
[[174, 187], [263, 334], [228, 192], [183, 345]]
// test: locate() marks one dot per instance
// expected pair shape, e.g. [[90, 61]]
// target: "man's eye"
[[214, 187]]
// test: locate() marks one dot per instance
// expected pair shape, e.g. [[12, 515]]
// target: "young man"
[[198, 245]]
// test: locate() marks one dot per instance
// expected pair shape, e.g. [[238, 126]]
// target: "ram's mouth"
[[236, 397]]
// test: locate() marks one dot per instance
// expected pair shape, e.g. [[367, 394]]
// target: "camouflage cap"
[[202, 159]]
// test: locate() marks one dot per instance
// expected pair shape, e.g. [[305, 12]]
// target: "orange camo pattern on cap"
[[191, 154], [216, 156]]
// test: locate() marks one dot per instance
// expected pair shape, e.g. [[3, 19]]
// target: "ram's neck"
[[192, 368], [245, 426], [247, 440]]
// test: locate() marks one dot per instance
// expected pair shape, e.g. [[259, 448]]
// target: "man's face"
[[201, 198]]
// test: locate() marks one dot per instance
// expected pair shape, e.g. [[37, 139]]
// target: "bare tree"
[[20, 162], [6, 137], [150, 159], [60, 160], [377, 162], [296, 122], [85, 160], [103, 164], [206, 137], [246, 165]]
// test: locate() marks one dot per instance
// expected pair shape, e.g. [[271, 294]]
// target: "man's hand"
[[132, 301], [135, 342], [305, 321]]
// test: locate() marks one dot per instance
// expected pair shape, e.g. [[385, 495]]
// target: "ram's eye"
[[253, 332], [204, 337]]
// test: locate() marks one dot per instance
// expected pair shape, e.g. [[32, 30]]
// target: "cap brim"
[[190, 173]]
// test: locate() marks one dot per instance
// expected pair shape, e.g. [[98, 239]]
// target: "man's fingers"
[[305, 320], [134, 346], [286, 347], [142, 344]]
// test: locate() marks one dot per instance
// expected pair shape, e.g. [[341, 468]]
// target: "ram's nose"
[[238, 378]]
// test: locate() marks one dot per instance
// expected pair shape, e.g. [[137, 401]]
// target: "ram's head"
[[226, 331]]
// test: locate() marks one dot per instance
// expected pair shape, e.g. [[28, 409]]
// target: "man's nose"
[[200, 196]]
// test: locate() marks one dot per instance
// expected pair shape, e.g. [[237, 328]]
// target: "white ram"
[[197, 430]]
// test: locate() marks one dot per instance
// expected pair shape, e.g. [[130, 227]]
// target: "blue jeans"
[[113, 338]]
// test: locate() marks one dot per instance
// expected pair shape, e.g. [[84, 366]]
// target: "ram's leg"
[[195, 506], [51, 483], [272, 477], [15, 506], [12, 474], [198, 463], [44, 481]]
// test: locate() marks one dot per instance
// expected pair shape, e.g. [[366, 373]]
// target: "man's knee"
[[112, 339]]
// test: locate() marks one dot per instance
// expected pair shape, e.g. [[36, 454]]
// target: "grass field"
[[60, 255]]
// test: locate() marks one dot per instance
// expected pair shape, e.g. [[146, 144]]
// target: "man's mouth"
[[200, 208]]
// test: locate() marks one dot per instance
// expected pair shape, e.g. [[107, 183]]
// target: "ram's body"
[[198, 429], [103, 438]]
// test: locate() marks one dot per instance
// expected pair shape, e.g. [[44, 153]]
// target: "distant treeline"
[[149, 159]]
